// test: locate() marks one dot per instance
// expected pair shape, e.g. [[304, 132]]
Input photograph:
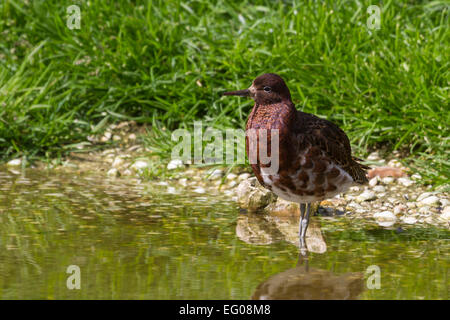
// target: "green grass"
[[168, 61]]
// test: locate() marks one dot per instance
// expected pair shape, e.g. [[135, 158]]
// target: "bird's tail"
[[359, 171]]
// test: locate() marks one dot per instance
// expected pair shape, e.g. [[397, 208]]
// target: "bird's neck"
[[272, 116]]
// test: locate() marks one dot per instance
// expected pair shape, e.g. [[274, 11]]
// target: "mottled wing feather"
[[331, 139]]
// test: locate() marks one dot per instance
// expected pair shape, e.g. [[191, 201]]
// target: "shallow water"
[[136, 241]]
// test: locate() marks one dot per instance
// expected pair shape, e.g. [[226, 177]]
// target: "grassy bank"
[[168, 61]]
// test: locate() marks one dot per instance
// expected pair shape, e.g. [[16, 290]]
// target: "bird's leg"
[[305, 222], [303, 260], [300, 224]]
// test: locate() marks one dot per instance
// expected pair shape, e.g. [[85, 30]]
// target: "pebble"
[[174, 164], [409, 220], [429, 220], [118, 161], [252, 196], [232, 183], [385, 215], [140, 165], [395, 163], [244, 176], [231, 176], [183, 182], [199, 190], [374, 156], [171, 190], [367, 195], [354, 205], [127, 172], [400, 209], [423, 196], [445, 215], [385, 218], [216, 174], [416, 176], [445, 202], [106, 136], [411, 205], [14, 162], [349, 197], [379, 189], [405, 181], [387, 180], [373, 182], [392, 200], [424, 210], [433, 200], [113, 172]]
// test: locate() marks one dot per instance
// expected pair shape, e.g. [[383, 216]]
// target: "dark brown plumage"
[[315, 160]]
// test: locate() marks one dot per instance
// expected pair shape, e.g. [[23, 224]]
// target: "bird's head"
[[266, 89]]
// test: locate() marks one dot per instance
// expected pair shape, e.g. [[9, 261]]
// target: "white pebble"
[[424, 210], [445, 202], [394, 163], [373, 156], [232, 184], [199, 190], [367, 195], [385, 216], [409, 220], [14, 162], [445, 215], [216, 174], [379, 189], [127, 172], [411, 205], [405, 181], [174, 164], [433, 200], [183, 182], [113, 172], [244, 176], [392, 200], [354, 205], [387, 180], [106, 136], [118, 161], [231, 176], [423, 196], [373, 182], [400, 208], [171, 190], [140, 165]]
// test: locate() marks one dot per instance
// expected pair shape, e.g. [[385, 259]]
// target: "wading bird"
[[314, 155]]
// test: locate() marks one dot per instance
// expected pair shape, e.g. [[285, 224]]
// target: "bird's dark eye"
[[267, 89]]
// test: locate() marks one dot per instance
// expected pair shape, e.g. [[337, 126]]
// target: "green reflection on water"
[[136, 241]]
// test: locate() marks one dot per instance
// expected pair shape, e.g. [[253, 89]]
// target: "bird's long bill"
[[241, 93]]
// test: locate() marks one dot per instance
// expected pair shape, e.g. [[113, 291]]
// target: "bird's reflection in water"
[[305, 283], [301, 282], [265, 229]]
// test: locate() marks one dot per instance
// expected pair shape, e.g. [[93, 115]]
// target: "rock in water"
[[252, 196]]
